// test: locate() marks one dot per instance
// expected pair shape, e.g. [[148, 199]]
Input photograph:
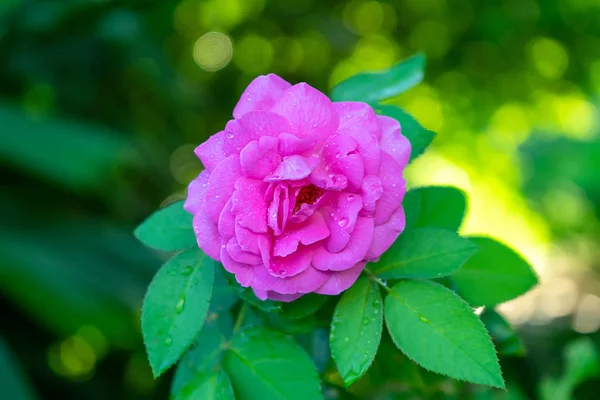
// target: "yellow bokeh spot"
[[510, 125], [213, 51], [548, 57], [254, 54], [423, 103], [364, 17], [432, 37], [73, 358]]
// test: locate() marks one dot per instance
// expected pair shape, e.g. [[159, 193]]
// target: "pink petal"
[[278, 211], [241, 256], [196, 193], [371, 191], [290, 144], [309, 232], [286, 298], [226, 225], [261, 294], [337, 146], [244, 274], [325, 178], [212, 152], [251, 241], [341, 221], [352, 168], [309, 112], [392, 141], [292, 168], [290, 265], [355, 251], [260, 94], [207, 235], [260, 158], [257, 124], [358, 121], [386, 234], [340, 281], [305, 282], [220, 186], [249, 204], [394, 188]]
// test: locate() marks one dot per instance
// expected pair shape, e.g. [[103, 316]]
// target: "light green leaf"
[[505, 338], [435, 207], [265, 364], [175, 307], [14, 383], [356, 329], [303, 307], [419, 137], [376, 86], [424, 253], [438, 330], [214, 386], [168, 229], [493, 275], [199, 361]]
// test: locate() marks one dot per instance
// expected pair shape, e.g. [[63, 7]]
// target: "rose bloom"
[[299, 193]]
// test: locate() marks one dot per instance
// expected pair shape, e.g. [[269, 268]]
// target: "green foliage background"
[[102, 103]]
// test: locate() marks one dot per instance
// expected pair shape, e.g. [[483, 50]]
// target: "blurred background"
[[103, 101]]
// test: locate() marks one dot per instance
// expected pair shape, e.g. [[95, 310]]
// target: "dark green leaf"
[[439, 331], [424, 253], [356, 329], [199, 363], [302, 307], [493, 275], [376, 86], [505, 338], [419, 137], [435, 207], [14, 383], [249, 297], [168, 229], [175, 307], [264, 364]]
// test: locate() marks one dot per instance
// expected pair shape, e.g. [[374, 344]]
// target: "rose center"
[[307, 195]]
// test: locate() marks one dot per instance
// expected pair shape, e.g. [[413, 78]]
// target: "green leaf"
[[435, 207], [303, 307], [493, 275], [265, 364], [424, 253], [438, 330], [214, 386], [175, 307], [419, 137], [247, 295], [168, 229], [356, 329], [14, 383], [375, 86], [199, 374], [505, 338]]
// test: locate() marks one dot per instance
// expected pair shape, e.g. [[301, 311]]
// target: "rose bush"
[[299, 193]]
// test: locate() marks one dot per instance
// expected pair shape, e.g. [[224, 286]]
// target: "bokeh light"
[[213, 51]]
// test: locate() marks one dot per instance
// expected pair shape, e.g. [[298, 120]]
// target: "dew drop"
[[168, 341], [338, 155], [375, 311], [366, 321], [350, 198], [314, 125], [249, 98], [393, 150], [180, 305], [230, 135], [348, 116], [346, 339], [422, 318], [282, 273], [187, 270], [343, 222]]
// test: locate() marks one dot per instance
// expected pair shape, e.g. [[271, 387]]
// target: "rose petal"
[[196, 193], [309, 232], [237, 254], [371, 191], [207, 235], [386, 234], [392, 141], [340, 281], [292, 168], [291, 265], [226, 225], [244, 274], [305, 282], [257, 124], [249, 204], [220, 186], [309, 112], [286, 298], [337, 146], [260, 158], [352, 168], [290, 144], [260, 94], [355, 251], [341, 221], [212, 152], [394, 188], [358, 121]]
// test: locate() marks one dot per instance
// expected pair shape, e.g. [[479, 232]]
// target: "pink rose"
[[299, 193]]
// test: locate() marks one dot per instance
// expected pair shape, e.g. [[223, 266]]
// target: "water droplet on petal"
[[283, 272], [314, 125], [350, 198], [348, 116], [230, 135], [343, 222], [338, 155], [180, 305]]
